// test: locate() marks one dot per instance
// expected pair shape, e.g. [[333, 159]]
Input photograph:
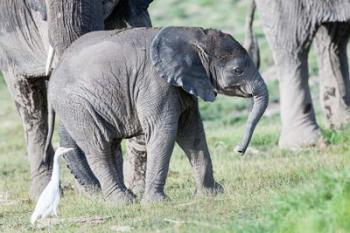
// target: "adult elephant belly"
[[21, 42]]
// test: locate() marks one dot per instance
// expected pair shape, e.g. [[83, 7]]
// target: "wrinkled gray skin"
[[290, 28], [113, 85], [25, 29]]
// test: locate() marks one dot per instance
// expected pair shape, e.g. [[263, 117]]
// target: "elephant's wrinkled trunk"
[[260, 102]]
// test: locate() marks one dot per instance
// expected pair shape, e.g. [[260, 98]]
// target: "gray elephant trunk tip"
[[260, 99], [240, 150]]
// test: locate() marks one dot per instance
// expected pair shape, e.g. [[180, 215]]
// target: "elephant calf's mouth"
[[236, 91]]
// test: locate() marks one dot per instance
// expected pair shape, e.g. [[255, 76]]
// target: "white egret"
[[49, 198]]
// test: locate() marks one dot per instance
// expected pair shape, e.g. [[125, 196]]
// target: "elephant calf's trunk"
[[260, 102]]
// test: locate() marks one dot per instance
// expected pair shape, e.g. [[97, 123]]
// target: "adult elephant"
[[290, 27], [27, 28]]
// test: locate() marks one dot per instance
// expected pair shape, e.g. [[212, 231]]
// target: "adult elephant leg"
[[289, 31], [30, 99], [191, 138], [138, 15], [331, 44], [129, 14], [135, 164], [78, 165], [299, 126]]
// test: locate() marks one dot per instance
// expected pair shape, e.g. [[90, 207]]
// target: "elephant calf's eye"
[[237, 71]]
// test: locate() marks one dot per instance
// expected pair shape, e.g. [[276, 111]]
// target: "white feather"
[[49, 198]]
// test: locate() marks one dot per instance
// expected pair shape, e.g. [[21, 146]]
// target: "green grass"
[[270, 191], [321, 206]]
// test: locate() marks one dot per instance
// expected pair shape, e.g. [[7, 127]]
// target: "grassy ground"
[[269, 190]]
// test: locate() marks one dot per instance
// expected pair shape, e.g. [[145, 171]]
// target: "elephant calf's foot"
[[38, 184], [154, 197], [210, 191], [121, 197]]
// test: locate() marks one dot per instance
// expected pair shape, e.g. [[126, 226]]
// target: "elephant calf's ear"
[[176, 60]]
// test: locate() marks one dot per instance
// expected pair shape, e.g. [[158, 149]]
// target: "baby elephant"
[[112, 85]]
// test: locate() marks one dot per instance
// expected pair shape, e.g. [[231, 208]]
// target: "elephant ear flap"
[[179, 59]]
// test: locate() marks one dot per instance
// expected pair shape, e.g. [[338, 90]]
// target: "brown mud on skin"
[[328, 95], [330, 91]]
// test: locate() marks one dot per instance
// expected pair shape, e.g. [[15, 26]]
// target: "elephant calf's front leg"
[[160, 145], [191, 138]]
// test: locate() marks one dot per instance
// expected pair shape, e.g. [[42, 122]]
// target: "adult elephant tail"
[[250, 42]]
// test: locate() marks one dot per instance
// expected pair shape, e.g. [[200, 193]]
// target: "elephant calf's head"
[[206, 62]]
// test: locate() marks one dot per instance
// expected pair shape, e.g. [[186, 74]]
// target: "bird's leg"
[[50, 224]]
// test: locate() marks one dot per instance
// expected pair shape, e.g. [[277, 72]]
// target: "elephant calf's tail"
[[46, 156]]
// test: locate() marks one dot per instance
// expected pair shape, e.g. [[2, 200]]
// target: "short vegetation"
[[268, 190]]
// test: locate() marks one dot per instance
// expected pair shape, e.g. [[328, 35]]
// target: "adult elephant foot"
[[40, 171], [300, 137], [39, 183]]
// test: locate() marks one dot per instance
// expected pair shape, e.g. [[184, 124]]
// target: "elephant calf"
[[112, 85]]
